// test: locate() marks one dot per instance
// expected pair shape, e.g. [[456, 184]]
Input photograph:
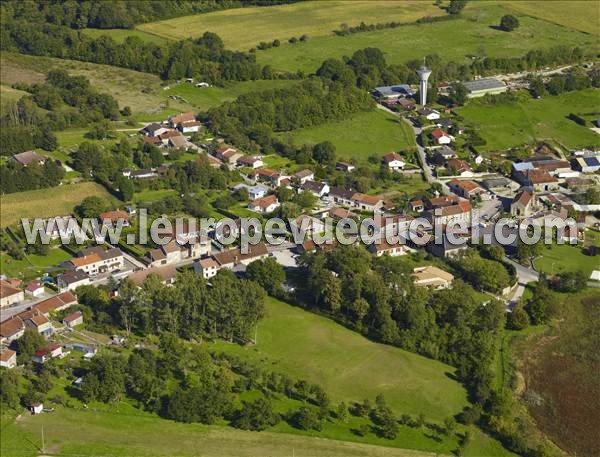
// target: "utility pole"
[[43, 443]]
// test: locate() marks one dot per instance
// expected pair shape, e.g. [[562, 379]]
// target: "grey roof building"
[[483, 86]]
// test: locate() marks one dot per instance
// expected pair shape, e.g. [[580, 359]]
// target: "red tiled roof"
[[366, 199], [73, 316], [113, 216], [7, 354], [264, 202], [183, 118], [392, 156]]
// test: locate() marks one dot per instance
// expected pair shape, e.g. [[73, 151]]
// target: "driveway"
[[525, 275], [428, 172]]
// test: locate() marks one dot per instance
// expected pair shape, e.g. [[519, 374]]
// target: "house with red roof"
[[394, 161], [46, 353], [441, 137]]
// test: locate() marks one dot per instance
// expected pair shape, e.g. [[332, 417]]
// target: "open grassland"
[[360, 136], [140, 91], [243, 28], [131, 433], [349, 366], [57, 201], [512, 124], [207, 97], [119, 35], [582, 15], [472, 35], [558, 258]]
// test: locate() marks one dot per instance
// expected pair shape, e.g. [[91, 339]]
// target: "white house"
[[264, 205], [254, 192], [318, 189], [10, 294], [304, 175], [207, 267], [8, 358], [34, 289], [250, 161], [97, 260], [441, 137], [429, 114], [71, 280], [394, 161]]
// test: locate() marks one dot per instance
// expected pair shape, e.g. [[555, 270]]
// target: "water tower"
[[423, 73]]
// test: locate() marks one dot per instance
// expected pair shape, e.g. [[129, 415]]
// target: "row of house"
[[209, 266], [36, 317]]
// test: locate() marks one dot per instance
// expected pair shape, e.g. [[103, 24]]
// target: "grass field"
[[119, 35], [204, 98], [57, 201], [131, 433], [33, 265], [477, 37], [140, 91], [583, 15], [149, 195], [508, 125], [349, 366], [558, 258], [359, 136], [243, 28]]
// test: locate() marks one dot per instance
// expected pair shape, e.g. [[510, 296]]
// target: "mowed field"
[[583, 15], [512, 124], [559, 258], [127, 432], [58, 201], [243, 28], [472, 35], [360, 136], [350, 367]]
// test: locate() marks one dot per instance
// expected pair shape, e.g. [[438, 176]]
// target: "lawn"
[[243, 28], [349, 366], [57, 201], [140, 91], [208, 97], [477, 37], [558, 258], [149, 195], [359, 136], [32, 266], [512, 124]]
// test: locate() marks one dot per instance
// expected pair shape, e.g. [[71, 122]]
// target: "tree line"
[[229, 309], [123, 14], [204, 57]]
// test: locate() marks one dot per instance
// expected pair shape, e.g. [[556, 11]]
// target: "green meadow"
[[349, 366], [511, 124], [472, 35], [558, 258], [359, 136], [243, 28]]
